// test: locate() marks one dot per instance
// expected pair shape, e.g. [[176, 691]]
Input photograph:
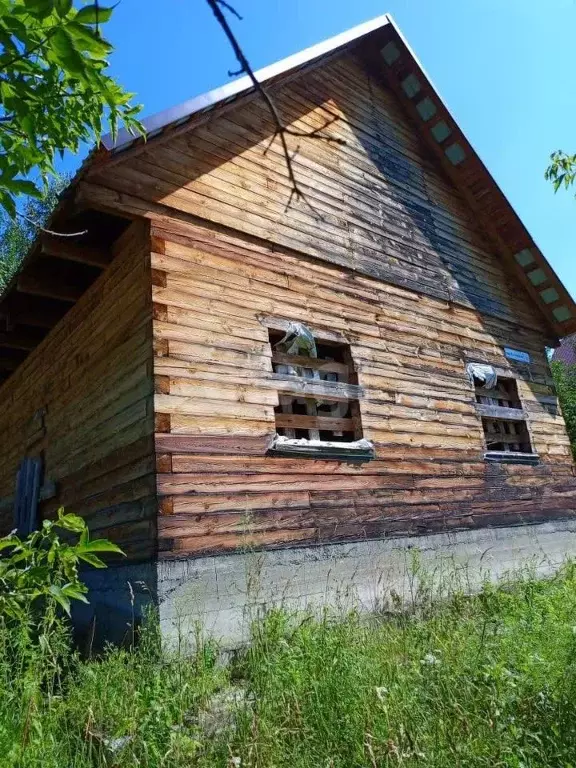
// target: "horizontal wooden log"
[[329, 423], [499, 412], [212, 408], [213, 444], [496, 437], [47, 491], [224, 542], [322, 334], [319, 389], [316, 364], [83, 398]]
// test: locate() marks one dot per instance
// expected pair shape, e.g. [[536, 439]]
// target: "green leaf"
[[21, 187], [28, 127], [88, 40], [92, 560], [93, 14], [40, 8], [71, 522], [38, 573], [74, 592], [84, 537], [9, 541], [7, 203], [65, 51], [63, 7], [55, 91], [6, 91], [60, 598], [99, 545]]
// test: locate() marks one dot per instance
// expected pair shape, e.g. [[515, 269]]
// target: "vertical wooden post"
[[27, 495]]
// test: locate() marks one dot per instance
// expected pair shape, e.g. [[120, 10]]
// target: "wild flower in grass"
[[430, 659], [382, 692]]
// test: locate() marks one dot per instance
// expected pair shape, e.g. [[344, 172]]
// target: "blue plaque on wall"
[[517, 355]]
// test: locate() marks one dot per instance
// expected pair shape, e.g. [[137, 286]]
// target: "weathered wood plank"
[[500, 412], [398, 269]]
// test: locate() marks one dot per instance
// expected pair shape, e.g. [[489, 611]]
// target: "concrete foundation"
[[221, 595]]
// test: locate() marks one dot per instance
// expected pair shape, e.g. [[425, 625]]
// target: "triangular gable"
[[442, 134], [385, 52]]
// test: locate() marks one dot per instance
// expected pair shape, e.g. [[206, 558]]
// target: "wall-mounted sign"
[[517, 355]]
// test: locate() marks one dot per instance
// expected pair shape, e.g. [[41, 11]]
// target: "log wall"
[[215, 395], [83, 401]]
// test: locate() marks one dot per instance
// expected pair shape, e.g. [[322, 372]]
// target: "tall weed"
[[487, 680]]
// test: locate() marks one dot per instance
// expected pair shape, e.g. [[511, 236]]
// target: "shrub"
[[565, 380], [42, 569]]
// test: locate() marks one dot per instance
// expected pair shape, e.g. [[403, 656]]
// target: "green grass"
[[482, 681]]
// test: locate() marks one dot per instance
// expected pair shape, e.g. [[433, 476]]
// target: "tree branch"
[[280, 129], [40, 228]]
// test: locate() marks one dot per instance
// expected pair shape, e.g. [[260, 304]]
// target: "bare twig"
[[40, 228], [281, 130], [230, 8]]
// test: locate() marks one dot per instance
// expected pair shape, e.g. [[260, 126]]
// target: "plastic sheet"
[[484, 373], [298, 340], [357, 450]]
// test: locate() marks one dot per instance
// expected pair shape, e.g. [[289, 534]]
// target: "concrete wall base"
[[221, 595]]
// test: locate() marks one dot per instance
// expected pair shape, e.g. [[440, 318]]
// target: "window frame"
[[292, 387], [506, 415]]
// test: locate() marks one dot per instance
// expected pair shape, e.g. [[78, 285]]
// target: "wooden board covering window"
[[324, 416]]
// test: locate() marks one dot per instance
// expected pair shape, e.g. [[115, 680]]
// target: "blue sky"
[[506, 69]]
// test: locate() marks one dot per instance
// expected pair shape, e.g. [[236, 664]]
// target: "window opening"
[[503, 420], [327, 415]]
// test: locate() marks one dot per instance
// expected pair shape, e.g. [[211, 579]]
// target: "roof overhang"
[[441, 133], [182, 113]]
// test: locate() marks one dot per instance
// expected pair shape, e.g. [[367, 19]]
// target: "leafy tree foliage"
[[17, 235], [565, 379], [562, 170], [54, 90]]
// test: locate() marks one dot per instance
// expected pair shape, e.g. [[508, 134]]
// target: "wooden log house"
[[144, 378]]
